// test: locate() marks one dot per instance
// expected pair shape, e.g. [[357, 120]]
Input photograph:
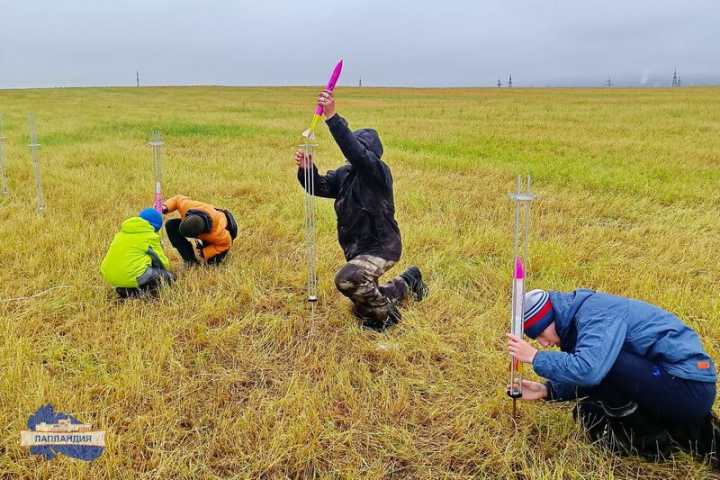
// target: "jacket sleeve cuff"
[[335, 122], [209, 252], [551, 394]]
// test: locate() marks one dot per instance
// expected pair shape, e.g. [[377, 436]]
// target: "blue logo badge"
[[49, 433]]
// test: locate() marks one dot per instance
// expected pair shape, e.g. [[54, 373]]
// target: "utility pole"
[[609, 82], [360, 82], [510, 81], [137, 77], [499, 83], [675, 79]]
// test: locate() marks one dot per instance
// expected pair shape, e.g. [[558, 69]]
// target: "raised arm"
[[364, 157], [355, 152]]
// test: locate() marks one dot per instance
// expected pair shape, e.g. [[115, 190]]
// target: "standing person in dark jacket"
[[367, 230], [647, 379]]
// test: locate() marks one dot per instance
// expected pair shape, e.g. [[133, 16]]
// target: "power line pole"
[[609, 82], [675, 79], [360, 82], [499, 83], [137, 77], [510, 81]]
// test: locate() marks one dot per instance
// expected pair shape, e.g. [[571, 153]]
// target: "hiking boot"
[[626, 430], [378, 325], [190, 263], [621, 411], [413, 278], [593, 419], [698, 438], [640, 432]]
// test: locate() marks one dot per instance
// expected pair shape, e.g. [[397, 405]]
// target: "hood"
[[566, 306], [204, 215], [137, 225], [370, 139]]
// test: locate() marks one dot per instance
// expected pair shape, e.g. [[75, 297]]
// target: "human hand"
[[327, 100], [521, 349], [303, 161], [199, 248], [532, 391]]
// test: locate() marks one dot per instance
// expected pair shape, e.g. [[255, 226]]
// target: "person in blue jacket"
[[643, 372], [367, 230]]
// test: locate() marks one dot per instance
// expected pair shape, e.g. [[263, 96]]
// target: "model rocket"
[[158, 197], [157, 144], [517, 294], [516, 327], [310, 132]]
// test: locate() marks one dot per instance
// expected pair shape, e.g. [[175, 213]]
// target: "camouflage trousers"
[[375, 304]]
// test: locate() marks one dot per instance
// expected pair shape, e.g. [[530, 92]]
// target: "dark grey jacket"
[[363, 193]]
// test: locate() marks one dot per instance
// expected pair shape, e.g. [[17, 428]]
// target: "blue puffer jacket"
[[594, 328]]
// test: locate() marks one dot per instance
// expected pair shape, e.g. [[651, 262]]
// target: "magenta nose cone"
[[518, 269]]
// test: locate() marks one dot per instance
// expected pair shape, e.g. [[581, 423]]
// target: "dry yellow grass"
[[225, 376]]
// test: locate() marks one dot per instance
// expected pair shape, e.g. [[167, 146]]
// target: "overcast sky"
[[412, 43]]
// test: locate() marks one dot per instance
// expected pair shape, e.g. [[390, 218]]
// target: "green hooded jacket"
[[135, 248]]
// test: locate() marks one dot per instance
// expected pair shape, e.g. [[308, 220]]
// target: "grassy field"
[[226, 376]]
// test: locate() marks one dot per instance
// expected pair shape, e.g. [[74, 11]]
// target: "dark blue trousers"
[[634, 378]]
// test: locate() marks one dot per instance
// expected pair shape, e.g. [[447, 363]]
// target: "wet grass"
[[226, 375]]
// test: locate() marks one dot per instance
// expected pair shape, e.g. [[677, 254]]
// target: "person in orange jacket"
[[214, 228]]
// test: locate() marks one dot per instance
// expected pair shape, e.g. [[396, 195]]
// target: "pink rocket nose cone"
[[334, 77], [518, 269]]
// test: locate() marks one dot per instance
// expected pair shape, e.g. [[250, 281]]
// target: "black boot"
[[637, 431], [378, 325], [593, 419], [619, 411], [698, 438], [413, 278], [625, 430]]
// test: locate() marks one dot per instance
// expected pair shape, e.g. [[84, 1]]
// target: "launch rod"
[[157, 144], [3, 168], [517, 319], [36, 162], [310, 226]]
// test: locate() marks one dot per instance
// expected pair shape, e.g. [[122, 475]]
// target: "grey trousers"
[[151, 280], [373, 303]]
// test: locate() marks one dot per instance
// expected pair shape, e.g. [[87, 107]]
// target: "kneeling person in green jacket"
[[136, 263]]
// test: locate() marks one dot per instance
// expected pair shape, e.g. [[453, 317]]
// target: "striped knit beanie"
[[538, 312]]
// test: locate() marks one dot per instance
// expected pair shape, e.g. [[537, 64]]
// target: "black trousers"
[[634, 378], [181, 244], [185, 248]]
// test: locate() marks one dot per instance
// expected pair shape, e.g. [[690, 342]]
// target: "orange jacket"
[[218, 240]]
